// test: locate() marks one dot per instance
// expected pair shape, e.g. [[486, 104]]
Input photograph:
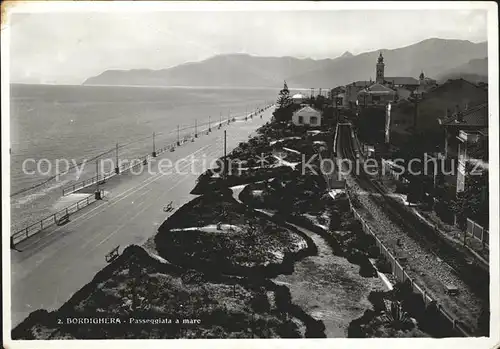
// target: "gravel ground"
[[329, 288], [424, 267], [450, 231]]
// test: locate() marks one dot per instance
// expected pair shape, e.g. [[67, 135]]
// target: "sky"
[[67, 48]]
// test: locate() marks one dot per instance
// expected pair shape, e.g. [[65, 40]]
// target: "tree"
[[284, 99], [415, 191], [320, 102], [285, 107]]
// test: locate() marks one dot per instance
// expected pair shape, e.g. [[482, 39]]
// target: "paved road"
[[51, 266]]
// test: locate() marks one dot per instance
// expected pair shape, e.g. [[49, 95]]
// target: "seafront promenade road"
[[49, 268]]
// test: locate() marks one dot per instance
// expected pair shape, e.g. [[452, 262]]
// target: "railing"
[[145, 159], [478, 232], [35, 228], [402, 275], [398, 270], [46, 222], [389, 168], [85, 183]]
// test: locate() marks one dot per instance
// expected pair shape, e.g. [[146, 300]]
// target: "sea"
[[50, 123]]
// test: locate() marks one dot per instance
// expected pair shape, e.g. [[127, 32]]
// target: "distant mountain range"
[[476, 70], [436, 57]]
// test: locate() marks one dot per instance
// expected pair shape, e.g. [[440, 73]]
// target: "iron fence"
[[398, 270], [145, 159], [402, 275], [35, 228], [478, 232]]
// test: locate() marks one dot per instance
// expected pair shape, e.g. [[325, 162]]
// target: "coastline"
[[130, 214]]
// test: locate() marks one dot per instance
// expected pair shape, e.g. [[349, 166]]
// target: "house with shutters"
[[307, 116], [472, 150], [376, 94], [461, 127]]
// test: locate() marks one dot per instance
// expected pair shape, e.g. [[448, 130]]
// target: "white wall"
[[306, 119]]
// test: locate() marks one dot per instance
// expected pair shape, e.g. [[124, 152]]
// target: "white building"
[[307, 116], [471, 147], [298, 98]]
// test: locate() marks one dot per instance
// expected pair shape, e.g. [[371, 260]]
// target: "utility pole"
[[153, 154], [415, 98], [178, 136], [117, 168], [225, 154], [415, 116], [336, 107]]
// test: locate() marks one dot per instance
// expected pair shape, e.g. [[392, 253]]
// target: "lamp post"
[[117, 167], [225, 173], [153, 154], [97, 193], [388, 124]]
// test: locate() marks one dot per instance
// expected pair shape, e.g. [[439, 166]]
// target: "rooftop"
[[377, 89], [475, 116], [361, 83], [308, 110], [401, 80]]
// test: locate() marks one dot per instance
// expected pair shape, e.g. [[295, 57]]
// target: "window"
[[313, 120], [301, 119], [375, 98]]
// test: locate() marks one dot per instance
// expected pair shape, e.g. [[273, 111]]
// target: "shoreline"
[[30, 205]]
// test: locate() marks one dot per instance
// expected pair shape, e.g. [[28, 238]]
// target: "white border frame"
[[146, 6]]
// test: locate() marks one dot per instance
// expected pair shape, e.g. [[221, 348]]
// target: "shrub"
[[383, 265], [260, 303]]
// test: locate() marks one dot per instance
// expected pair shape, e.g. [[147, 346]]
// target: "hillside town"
[[439, 135], [408, 117]]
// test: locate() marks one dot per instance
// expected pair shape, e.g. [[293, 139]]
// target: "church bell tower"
[[380, 70], [421, 78]]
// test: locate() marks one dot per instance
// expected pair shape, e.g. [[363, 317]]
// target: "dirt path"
[[329, 288]]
